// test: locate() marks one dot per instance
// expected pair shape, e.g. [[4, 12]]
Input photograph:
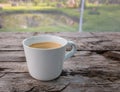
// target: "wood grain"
[[84, 41], [93, 68], [22, 82], [85, 63], [12, 56]]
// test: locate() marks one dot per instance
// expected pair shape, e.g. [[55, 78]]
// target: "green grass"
[[108, 20], [69, 11], [26, 9], [42, 29]]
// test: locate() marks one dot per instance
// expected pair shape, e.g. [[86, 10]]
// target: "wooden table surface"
[[94, 68]]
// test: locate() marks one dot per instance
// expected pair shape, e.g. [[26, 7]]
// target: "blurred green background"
[[59, 15]]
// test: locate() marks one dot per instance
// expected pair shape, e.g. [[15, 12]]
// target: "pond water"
[[25, 21]]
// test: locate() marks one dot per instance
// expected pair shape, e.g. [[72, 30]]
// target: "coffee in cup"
[[45, 45]]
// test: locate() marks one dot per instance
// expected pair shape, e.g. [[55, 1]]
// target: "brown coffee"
[[45, 45]]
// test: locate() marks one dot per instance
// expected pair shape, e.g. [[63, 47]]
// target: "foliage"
[[3, 1], [36, 2], [42, 29]]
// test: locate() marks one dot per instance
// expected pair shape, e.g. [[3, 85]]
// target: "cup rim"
[[23, 42]]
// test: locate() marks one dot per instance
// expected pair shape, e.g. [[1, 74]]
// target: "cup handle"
[[73, 50]]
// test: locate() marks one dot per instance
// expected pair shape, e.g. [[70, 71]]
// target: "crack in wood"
[[13, 89], [2, 75], [56, 90], [114, 55], [98, 42], [94, 72], [100, 51], [3, 69], [31, 89], [65, 87], [95, 36]]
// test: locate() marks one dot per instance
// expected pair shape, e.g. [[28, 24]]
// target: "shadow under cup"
[[45, 64]]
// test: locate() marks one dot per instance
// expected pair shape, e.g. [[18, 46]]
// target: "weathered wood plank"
[[13, 67], [22, 82], [15, 35], [84, 41], [93, 85], [107, 34], [12, 56], [85, 63], [113, 55], [13, 41]]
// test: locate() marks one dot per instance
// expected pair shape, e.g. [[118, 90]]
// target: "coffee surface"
[[45, 45]]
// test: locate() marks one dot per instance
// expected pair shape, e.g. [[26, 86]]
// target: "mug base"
[[46, 80]]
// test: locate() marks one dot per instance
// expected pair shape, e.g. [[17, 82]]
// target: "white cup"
[[46, 64]]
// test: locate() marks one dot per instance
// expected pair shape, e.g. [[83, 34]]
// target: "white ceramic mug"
[[46, 64]]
